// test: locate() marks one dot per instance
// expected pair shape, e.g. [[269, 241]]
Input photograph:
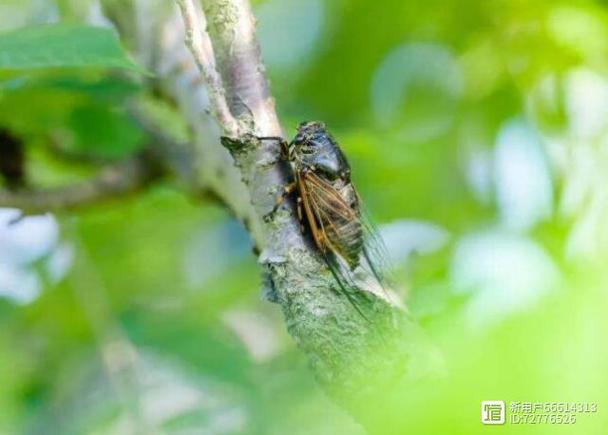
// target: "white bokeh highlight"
[[406, 238], [524, 190], [503, 273], [27, 242], [405, 73]]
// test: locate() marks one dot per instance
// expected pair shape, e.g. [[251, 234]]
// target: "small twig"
[[113, 181], [202, 51], [231, 27]]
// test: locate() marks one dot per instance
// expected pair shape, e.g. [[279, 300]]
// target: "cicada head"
[[306, 141], [314, 148], [307, 130]]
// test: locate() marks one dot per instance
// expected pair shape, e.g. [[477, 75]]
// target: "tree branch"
[[111, 182], [232, 30], [202, 51], [178, 80], [354, 359], [357, 362]]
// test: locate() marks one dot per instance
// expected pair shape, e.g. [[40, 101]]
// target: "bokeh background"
[[478, 136]]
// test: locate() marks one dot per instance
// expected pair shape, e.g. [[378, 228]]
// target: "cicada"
[[328, 205]]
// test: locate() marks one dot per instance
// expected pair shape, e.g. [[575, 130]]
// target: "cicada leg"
[[299, 206], [287, 190], [284, 144]]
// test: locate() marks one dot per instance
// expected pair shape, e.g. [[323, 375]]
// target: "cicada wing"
[[323, 207], [347, 239], [371, 251], [346, 281], [336, 217], [377, 258], [339, 210], [374, 249]]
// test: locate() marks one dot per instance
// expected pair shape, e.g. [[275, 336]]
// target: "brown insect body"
[[329, 206], [327, 196], [328, 202]]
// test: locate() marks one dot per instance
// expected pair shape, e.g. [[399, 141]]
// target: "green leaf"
[[102, 131], [60, 46]]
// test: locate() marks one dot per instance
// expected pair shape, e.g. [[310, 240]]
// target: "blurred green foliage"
[[151, 329], [56, 46]]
